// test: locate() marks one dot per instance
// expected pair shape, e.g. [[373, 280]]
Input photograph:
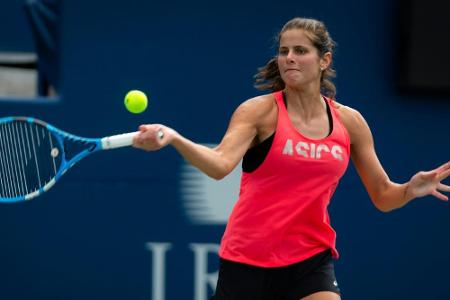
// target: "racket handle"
[[117, 141]]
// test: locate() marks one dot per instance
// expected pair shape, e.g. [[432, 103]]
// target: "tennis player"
[[295, 143]]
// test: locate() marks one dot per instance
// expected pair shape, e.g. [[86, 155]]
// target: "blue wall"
[[15, 35], [88, 237]]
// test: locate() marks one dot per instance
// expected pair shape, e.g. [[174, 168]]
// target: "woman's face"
[[298, 59]]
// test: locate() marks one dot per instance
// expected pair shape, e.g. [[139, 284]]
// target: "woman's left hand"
[[429, 183]]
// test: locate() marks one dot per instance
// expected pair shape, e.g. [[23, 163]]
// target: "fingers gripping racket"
[[34, 155]]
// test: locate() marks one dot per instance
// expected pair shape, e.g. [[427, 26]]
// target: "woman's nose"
[[290, 57]]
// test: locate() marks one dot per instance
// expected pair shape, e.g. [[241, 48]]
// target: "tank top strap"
[[283, 116], [333, 108], [340, 128]]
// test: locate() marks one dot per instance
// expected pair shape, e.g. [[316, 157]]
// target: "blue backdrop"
[[127, 224]]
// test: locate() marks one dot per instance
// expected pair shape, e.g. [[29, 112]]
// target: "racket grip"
[[117, 141]]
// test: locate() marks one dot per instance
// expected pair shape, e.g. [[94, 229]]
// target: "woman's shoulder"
[[350, 117], [260, 101], [345, 111], [258, 106]]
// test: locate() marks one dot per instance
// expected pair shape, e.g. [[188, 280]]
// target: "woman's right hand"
[[153, 137]]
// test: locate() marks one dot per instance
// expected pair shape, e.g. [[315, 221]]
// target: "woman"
[[295, 144]]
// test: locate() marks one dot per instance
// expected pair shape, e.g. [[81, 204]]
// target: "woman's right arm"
[[215, 162]]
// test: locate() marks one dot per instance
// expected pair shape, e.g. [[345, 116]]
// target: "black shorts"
[[239, 281]]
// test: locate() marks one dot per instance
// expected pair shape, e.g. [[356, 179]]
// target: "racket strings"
[[27, 158]]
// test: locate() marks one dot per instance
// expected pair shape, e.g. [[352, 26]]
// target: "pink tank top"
[[281, 215]]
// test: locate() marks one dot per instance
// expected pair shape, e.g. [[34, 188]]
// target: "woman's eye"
[[283, 52], [300, 50]]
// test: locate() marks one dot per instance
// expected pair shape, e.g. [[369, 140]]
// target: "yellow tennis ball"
[[135, 101]]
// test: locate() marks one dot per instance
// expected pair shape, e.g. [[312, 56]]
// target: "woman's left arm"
[[385, 194]]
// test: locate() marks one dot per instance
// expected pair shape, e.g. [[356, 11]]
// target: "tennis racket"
[[34, 155]]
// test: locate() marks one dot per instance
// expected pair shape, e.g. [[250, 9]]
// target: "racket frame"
[[97, 144]]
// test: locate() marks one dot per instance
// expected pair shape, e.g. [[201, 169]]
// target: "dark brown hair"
[[269, 78]]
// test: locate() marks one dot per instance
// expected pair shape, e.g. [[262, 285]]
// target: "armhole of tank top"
[[255, 156]]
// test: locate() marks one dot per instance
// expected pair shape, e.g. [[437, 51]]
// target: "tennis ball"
[[135, 101]]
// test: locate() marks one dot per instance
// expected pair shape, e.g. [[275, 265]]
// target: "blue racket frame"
[[60, 137]]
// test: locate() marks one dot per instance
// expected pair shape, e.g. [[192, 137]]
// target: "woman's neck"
[[307, 103]]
